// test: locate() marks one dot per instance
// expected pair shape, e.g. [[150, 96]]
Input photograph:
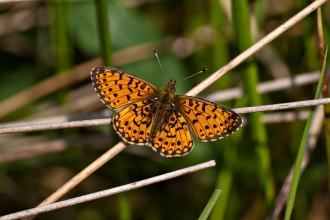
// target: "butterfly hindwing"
[[174, 137], [117, 88], [209, 121], [134, 123]]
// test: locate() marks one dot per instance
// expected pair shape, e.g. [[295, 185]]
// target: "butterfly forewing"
[[117, 88], [209, 121]]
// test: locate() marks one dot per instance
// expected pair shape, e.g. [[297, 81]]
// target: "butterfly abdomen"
[[162, 108]]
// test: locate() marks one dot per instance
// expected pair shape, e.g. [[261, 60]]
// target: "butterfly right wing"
[[117, 88]]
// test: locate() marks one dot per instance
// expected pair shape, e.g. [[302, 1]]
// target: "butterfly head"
[[170, 87]]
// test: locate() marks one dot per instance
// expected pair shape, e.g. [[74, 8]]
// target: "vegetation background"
[[47, 49]]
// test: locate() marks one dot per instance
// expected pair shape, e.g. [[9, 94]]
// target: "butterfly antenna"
[[203, 70], [153, 49]]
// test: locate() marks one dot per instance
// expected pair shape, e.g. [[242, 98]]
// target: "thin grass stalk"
[[29, 150], [265, 87], [106, 121], [260, 8], [220, 51], [102, 16], [250, 76], [82, 175], [108, 192], [315, 130], [224, 182], [124, 207], [207, 210], [57, 10], [255, 47], [301, 151], [325, 92], [308, 38], [66, 78]]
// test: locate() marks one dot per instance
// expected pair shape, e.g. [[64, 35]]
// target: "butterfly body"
[[158, 117]]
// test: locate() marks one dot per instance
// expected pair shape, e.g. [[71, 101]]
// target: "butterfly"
[[158, 117]]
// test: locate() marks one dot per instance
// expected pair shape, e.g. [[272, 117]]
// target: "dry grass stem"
[[20, 1], [63, 79], [95, 122], [29, 150], [255, 47], [58, 145], [283, 117], [60, 125], [282, 106], [46, 87], [108, 192], [32, 149], [265, 87], [104, 113], [84, 174]]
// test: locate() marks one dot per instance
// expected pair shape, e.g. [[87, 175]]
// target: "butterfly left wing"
[[117, 88], [209, 121], [174, 136]]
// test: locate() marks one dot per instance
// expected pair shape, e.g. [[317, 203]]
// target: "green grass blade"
[[104, 31], [208, 208], [296, 171], [124, 206], [225, 182], [62, 45], [241, 24]]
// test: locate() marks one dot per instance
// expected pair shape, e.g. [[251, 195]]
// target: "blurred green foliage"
[[40, 39]]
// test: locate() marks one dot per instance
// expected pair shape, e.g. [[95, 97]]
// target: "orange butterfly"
[[158, 117]]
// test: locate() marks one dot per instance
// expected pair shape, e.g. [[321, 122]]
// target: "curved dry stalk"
[[108, 192], [255, 47], [106, 121]]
